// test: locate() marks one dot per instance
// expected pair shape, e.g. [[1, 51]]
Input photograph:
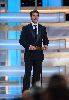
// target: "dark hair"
[[34, 11], [36, 93], [57, 89], [57, 80]]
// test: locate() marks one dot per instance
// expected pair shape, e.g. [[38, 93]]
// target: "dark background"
[[30, 3]]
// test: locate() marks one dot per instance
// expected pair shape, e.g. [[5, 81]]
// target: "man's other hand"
[[45, 47]]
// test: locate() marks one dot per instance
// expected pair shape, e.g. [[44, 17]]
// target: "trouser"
[[37, 69]]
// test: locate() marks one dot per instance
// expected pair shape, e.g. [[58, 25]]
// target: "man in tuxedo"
[[31, 39]]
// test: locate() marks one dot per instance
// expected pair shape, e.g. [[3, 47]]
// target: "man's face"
[[34, 17]]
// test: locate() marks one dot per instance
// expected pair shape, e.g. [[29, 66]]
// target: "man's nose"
[[36, 17]]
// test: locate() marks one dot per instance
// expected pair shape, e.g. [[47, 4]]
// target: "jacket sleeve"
[[45, 38], [23, 38]]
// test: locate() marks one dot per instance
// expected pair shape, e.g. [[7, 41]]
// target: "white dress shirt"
[[33, 24]]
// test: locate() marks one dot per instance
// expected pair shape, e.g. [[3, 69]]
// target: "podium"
[[39, 48]]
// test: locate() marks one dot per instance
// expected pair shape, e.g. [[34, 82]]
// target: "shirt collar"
[[34, 24]]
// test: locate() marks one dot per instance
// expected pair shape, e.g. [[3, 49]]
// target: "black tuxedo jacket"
[[27, 38]]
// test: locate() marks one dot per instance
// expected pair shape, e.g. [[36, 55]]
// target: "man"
[[31, 39]]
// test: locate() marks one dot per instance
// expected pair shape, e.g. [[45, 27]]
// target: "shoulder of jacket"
[[42, 26], [26, 26]]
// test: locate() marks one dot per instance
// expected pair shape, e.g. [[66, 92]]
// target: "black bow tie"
[[35, 26]]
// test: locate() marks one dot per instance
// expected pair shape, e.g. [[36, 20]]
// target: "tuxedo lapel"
[[33, 33], [31, 30], [39, 33]]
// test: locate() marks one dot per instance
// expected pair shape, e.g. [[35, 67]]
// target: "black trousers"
[[37, 69]]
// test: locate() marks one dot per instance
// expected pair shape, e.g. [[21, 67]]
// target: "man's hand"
[[31, 47], [45, 47]]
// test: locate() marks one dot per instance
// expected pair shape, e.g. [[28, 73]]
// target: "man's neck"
[[34, 23]]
